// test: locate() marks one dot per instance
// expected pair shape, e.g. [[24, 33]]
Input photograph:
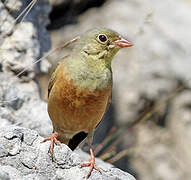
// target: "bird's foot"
[[92, 166], [53, 140]]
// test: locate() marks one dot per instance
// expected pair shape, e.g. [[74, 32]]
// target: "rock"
[[20, 104], [66, 11], [31, 159], [59, 3], [153, 153], [6, 21], [8, 173], [4, 175], [179, 124], [25, 42]]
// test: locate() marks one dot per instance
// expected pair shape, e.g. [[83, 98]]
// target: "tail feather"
[[77, 139]]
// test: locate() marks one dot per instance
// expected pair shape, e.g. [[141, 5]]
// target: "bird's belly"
[[74, 110]]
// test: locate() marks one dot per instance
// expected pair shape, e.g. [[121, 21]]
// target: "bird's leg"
[[91, 162], [53, 140]]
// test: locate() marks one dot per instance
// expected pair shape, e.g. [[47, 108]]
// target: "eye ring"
[[102, 38]]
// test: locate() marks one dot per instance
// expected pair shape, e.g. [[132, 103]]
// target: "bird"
[[80, 89]]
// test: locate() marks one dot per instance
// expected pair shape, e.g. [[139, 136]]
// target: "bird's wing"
[[53, 77], [51, 82], [79, 137], [107, 107], [109, 102]]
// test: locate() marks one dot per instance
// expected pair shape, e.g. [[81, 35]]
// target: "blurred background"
[[147, 130]]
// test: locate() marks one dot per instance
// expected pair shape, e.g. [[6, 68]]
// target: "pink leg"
[[53, 140], [91, 162]]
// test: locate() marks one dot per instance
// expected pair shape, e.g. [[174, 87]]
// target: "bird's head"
[[100, 43]]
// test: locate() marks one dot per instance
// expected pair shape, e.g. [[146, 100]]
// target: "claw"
[[53, 140], [91, 164]]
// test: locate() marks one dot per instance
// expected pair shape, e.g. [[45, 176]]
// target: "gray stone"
[[155, 149], [6, 22], [28, 159], [13, 6], [25, 42], [179, 124], [31, 112], [33, 161], [10, 173], [4, 175], [65, 158], [3, 152]]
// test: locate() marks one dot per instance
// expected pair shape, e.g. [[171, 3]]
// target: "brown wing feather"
[[51, 82], [108, 104], [53, 77], [79, 137]]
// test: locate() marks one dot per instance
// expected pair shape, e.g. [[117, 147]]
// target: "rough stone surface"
[[23, 157], [154, 153], [20, 104], [179, 123], [23, 43]]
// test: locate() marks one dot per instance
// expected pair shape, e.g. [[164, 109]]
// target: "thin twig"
[[31, 4], [120, 155], [105, 141], [29, 7], [108, 155]]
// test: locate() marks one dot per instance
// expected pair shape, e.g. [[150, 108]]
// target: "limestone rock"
[[23, 157], [23, 43]]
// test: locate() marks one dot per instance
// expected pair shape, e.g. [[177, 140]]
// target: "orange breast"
[[75, 110]]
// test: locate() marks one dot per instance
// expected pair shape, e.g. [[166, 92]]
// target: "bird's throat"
[[90, 74]]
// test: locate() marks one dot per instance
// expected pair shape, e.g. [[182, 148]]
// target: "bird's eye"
[[102, 38]]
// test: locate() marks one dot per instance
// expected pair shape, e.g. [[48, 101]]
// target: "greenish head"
[[100, 43], [90, 60]]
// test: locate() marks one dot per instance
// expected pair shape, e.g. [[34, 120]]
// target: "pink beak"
[[122, 42]]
